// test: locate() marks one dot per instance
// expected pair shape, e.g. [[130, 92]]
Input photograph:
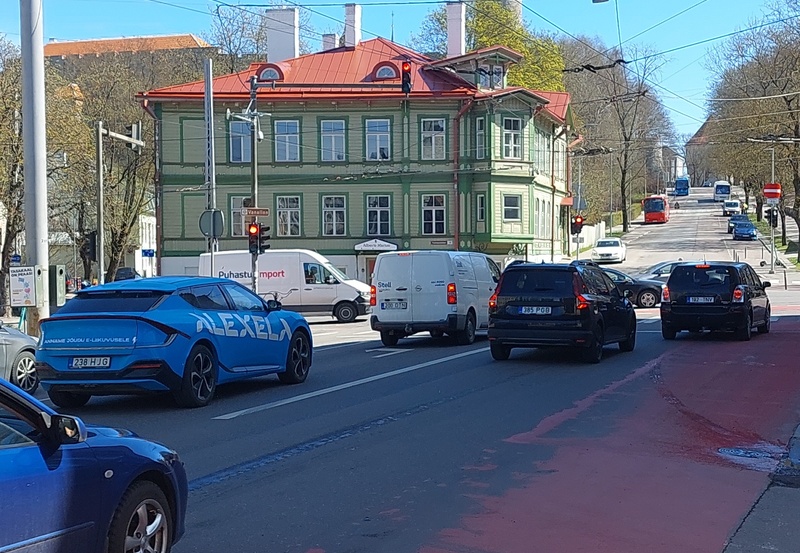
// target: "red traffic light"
[[406, 66], [253, 229], [579, 219]]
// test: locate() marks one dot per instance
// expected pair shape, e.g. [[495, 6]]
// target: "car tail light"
[[581, 302], [493, 303], [373, 296], [452, 296], [665, 294], [738, 294]]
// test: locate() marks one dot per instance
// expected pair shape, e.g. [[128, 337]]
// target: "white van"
[[435, 291], [305, 281], [731, 207]]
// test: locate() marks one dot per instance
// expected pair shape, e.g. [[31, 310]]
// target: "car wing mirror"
[[66, 430], [766, 284], [274, 305]]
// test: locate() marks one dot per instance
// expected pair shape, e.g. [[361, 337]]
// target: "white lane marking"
[[346, 385], [386, 352], [315, 334], [365, 332]]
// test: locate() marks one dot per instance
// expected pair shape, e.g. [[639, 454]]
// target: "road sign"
[[256, 211], [212, 223], [15, 260], [578, 239], [773, 201], [772, 190], [148, 253]]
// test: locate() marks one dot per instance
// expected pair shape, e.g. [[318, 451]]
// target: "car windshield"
[[701, 278], [607, 243], [112, 302], [533, 281]]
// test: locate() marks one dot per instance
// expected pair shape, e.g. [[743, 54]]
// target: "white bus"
[[722, 191]]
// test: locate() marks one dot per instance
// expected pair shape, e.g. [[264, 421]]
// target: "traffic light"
[[772, 217], [253, 236], [263, 238], [90, 245], [576, 224], [406, 71], [134, 130]]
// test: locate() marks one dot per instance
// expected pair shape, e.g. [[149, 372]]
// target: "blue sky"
[[684, 76]]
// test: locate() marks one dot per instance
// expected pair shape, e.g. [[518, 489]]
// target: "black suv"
[[715, 295], [538, 304]]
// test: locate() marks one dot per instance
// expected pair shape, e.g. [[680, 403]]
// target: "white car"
[[608, 250]]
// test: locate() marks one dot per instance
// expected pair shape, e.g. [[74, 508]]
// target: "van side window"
[[318, 274]]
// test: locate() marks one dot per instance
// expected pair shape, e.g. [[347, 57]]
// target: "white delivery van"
[[435, 291], [305, 281], [731, 207]]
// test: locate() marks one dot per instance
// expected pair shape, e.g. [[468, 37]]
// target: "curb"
[[787, 473]]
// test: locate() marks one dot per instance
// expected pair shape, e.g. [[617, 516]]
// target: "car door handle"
[[307, 288]]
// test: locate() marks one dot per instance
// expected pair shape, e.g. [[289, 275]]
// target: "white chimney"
[[456, 29], [283, 34], [330, 41], [352, 24]]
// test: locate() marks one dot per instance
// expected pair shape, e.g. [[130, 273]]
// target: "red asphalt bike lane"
[[654, 480]]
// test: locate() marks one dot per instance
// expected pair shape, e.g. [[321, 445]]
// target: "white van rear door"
[[431, 275], [392, 281]]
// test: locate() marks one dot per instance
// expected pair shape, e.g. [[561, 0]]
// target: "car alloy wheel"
[[467, 336], [298, 359], [142, 522], [199, 378], [647, 299], [594, 352], [23, 372]]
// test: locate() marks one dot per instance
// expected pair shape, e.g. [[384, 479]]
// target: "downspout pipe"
[[456, 167], [564, 130]]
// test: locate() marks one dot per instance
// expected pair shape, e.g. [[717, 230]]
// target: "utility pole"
[[771, 228], [211, 171], [35, 151]]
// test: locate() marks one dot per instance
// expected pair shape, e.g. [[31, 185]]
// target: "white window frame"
[[485, 76], [240, 135], [288, 215], [512, 138], [386, 72], [480, 208], [379, 138], [237, 216], [380, 212], [438, 214], [287, 143], [332, 141], [508, 209], [433, 138], [334, 215], [480, 138]]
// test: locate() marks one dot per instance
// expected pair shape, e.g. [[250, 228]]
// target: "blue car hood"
[[109, 432]]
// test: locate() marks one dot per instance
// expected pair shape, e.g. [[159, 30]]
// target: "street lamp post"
[[772, 228]]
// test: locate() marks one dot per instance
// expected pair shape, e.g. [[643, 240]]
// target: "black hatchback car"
[[715, 295], [538, 304]]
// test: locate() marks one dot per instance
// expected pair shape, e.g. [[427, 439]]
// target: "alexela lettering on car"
[[241, 326]]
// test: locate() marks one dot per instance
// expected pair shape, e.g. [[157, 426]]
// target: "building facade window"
[[334, 214], [480, 204], [287, 141], [512, 207], [288, 215], [537, 218], [332, 136], [237, 218], [512, 138], [433, 214], [540, 152], [480, 138], [386, 72], [378, 140], [239, 132], [378, 215], [547, 219], [433, 139]]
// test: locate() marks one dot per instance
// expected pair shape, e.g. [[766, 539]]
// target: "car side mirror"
[[274, 305], [67, 430], [766, 284], [331, 280]]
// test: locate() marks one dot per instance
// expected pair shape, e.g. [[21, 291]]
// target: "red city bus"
[[656, 209]]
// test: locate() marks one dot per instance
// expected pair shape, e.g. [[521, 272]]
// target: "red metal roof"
[[345, 65], [129, 44], [559, 103]]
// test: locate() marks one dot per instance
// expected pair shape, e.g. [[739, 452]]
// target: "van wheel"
[[499, 351], [389, 339], [467, 336], [199, 378], [346, 312]]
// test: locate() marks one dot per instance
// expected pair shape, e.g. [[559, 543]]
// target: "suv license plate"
[[90, 363], [528, 310], [704, 299], [394, 305]]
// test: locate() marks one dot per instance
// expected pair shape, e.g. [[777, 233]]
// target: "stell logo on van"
[[384, 285]]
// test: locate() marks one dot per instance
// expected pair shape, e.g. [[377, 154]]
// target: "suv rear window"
[[710, 278], [112, 302], [532, 281]]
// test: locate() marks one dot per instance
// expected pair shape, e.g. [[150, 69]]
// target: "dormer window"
[[385, 71], [270, 74]]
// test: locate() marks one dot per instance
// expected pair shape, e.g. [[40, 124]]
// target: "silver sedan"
[[18, 358]]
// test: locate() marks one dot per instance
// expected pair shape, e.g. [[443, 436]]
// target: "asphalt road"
[[432, 447]]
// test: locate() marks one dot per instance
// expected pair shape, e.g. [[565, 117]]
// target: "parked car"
[[644, 293], [573, 305], [745, 230], [183, 335], [660, 271], [735, 219], [441, 292], [608, 250], [59, 488], [718, 295], [126, 273], [18, 355]]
